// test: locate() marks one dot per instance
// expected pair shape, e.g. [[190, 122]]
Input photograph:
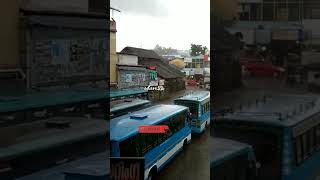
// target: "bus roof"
[[125, 105], [128, 92], [198, 96], [225, 149], [51, 97], [124, 126], [92, 166], [278, 110]]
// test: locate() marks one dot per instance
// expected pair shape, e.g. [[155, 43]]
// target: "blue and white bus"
[[157, 149], [122, 107], [199, 105], [231, 160], [284, 131]]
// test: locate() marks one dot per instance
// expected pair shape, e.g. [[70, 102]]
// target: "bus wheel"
[[184, 147], [150, 177], [152, 174]]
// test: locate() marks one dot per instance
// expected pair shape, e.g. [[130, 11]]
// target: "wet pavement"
[[191, 164], [256, 88], [194, 162]]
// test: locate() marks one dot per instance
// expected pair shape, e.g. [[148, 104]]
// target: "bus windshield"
[[266, 142], [193, 107]]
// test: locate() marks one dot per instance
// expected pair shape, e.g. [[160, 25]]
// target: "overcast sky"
[[169, 23]]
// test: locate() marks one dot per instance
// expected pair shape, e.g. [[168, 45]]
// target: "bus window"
[[305, 146], [298, 145], [128, 148], [193, 109], [311, 140], [177, 122]]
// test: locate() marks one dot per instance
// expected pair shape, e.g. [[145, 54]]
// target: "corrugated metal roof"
[[278, 110], [142, 53], [67, 22], [164, 69], [151, 58]]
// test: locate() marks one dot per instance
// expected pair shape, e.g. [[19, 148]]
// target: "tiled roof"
[[151, 58], [164, 69], [142, 53]]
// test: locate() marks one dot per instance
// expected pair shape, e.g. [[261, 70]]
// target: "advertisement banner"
[[124, 168]]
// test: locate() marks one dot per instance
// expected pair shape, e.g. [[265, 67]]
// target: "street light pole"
[[114, 9]]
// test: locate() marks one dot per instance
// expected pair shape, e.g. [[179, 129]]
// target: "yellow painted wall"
[[225, 9], [9, 47], [178, 62], [113, 57]]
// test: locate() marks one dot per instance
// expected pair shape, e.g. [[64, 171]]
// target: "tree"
[[197, 50], [165, 51]]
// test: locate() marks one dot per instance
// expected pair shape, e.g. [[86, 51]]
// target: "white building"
[[196, 65]]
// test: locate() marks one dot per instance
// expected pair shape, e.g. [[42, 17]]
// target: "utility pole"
[[112, 11]]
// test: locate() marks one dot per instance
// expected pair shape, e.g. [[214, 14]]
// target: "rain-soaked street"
[[254, 89], [194, 162]]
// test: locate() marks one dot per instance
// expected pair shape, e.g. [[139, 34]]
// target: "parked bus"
[[53, 102], [122, 107], [199, 105], [128, 93], [157, 149], [284, 131], [230, 160]]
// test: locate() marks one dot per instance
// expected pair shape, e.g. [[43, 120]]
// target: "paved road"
[[194, 162], [191, 164]]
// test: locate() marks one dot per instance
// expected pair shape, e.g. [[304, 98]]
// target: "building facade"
[[161, 73], [279, 14], [278, 10], [226, 10], [36, 37], [196, 65], [9, 33], [130, 75], [113, 53]]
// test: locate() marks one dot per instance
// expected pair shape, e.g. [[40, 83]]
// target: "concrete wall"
[[127, 59], [113, 58], [60, 57], [132, 77], [9, 33]]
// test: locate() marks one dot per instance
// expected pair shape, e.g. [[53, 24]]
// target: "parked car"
[[262, 68], [192, 82]]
